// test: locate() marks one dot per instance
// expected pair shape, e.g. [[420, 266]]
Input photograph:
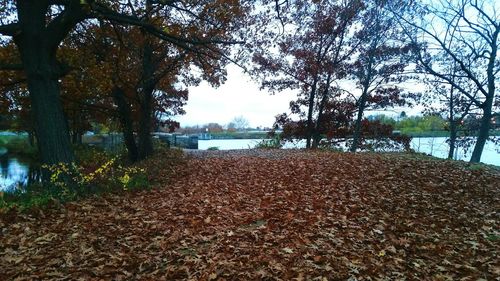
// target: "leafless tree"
[[464, 33]]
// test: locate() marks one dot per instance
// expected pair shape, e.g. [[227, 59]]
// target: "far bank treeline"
[[67, 64]]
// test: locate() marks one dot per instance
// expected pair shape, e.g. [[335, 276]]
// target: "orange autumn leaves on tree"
[[144, 76], [104, 54], [14, 100], [207, 30]]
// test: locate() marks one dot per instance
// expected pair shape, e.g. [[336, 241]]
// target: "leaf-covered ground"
[[272, 215]]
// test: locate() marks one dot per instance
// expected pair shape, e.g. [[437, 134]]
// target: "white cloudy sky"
[[240, 96]]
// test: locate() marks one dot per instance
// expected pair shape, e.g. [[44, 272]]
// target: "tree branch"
[[11, 29], [11, 66], [60, 26], [185, 43], [447, 50]]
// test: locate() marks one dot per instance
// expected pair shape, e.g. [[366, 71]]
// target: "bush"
[[273, 143], [110, 175], [19, 145], [97, 172]]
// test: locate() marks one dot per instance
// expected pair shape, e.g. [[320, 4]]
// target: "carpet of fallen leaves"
[[272, 215]]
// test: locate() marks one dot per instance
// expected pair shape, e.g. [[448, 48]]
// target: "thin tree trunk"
[[124, 114], [310, 128], [453, 138], [484, 131], [146, 98], [31, 138], [362, 103], [357, 128], [74, 137], [324, 98]]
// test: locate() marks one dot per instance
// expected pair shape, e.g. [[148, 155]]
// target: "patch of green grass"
[[475, 167], [35, 196], [493, 237]]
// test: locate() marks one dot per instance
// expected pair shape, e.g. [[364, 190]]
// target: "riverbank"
[[272, 214], [18, 145]]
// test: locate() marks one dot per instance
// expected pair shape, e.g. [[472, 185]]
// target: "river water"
[[17, 173], [434, 146]]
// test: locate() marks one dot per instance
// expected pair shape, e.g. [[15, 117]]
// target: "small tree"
[[463, 33], [378, 70], [310, 56], [239, 123], [442, 98]]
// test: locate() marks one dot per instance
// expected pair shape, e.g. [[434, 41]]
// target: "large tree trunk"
[[38, 54], [484, 131], [49, 119], [145, 125], [125, 116], [50, 125]]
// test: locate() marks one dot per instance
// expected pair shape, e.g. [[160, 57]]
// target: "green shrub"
[[273, 143], [19, 145], [213, 148], [71, 181]]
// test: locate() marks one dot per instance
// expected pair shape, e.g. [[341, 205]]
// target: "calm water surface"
[[17, 173], [433, 146]]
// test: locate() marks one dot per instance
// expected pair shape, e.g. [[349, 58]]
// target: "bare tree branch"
[[11, 29], [11, 66]]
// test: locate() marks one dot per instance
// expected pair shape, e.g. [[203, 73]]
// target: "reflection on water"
[[16, 173]]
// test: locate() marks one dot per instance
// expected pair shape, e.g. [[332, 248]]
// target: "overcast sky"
[[240, 96]]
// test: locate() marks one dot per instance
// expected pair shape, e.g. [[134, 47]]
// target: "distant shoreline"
[[264, 135]]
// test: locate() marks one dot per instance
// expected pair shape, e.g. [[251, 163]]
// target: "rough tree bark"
[[146, 101], [37, 43]]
